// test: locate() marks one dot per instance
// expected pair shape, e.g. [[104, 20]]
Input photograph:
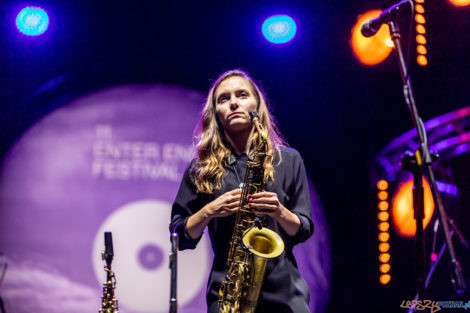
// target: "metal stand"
[[2, 276], [173, 267], [423, 161]]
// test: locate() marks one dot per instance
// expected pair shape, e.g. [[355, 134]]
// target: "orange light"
[[422, 60], [372, 50], [419, 1], [383, 205], [460, 3], [384, 257], [384, 226], [384, 236], [421, 49], [382, 184], [420, 29], [385, 279], [384, 247], [383, 216], [421, 39], [419, 8], [384, 268], [419, 18], [402, 208], [382, 195]]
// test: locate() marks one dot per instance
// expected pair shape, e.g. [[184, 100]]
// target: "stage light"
[[32, 21], [402, 208], [421, 49], [460, 3], [279, 29], [422, 60], [382, 195], [384, 268], [384, 257], [420, 29], [419, 18], [383, 205], [421, 39], [384, 226], [384, 236], [385, 279], [384, 247], [383, 216], [419, 8], [382, 184], [372, 50]]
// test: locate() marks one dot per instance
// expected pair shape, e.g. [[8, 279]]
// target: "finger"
[[235, 191], [263, 212], [233, 199], [270, 200], [263, 206], [232, 205], [263, 194]]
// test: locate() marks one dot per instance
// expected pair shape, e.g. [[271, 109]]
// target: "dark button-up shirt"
[[283, 290]]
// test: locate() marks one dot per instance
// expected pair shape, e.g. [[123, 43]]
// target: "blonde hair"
[[212, 148]]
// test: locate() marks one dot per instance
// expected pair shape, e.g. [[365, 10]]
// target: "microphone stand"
[[2, 276], [423, 162], [431, 271], [173, 268]]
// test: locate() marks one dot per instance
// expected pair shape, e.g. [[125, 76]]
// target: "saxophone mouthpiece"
[[253, 115], [259, 128]]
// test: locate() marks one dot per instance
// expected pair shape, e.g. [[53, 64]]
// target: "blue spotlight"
[[32, 21], [279, 29]]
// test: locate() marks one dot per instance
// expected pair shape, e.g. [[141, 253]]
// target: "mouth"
[[235, 114]]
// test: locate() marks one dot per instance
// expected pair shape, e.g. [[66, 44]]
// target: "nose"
[[233, 103]]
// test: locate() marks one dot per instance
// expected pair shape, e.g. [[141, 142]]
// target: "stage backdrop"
[[111, 161]]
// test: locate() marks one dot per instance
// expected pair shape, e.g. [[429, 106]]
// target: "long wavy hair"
[[213, 149]]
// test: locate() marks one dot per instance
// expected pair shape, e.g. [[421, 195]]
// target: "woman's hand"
[[225, 205], [268, 203]]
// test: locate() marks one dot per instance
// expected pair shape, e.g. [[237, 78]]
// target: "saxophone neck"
[[259, 128]]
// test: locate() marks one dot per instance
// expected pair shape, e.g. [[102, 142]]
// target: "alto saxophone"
[[109, 303], [251, 245]]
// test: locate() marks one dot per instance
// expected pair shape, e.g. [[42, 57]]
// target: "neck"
[[240, 141]]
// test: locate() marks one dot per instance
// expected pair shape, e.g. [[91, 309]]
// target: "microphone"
[[371, 27]]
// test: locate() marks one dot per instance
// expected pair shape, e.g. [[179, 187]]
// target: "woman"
[[210, 192]]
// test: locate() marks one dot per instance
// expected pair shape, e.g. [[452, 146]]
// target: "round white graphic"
[[141, 263]]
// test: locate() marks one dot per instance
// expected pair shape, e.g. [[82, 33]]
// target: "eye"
[[222, 99], [244, 94]]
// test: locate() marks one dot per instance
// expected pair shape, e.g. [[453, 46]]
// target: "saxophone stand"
[[418, 163], [173, 268], [109, 302]]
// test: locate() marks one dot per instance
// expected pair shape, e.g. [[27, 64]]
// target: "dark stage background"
[[335, 111]]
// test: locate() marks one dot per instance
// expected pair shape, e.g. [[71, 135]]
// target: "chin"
[[238, 126]]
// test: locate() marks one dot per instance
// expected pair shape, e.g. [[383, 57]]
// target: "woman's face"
[[234, 99]]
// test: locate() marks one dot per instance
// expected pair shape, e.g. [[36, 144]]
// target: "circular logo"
[[141, 244]]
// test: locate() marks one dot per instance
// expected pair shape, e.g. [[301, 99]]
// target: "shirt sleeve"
[[187, 203], [300, 203]]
